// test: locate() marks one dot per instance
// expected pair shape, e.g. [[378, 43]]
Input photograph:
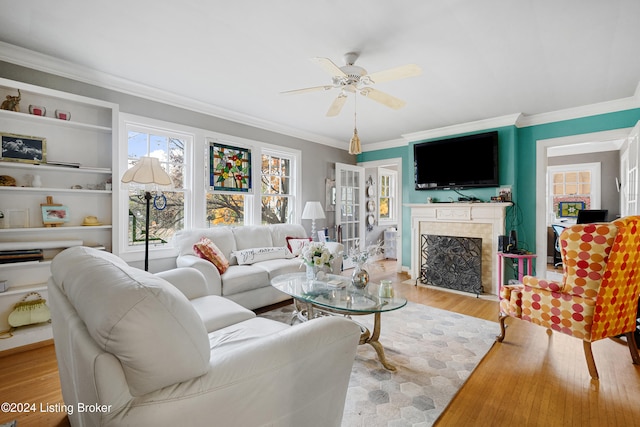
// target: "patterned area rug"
[[434, 351]]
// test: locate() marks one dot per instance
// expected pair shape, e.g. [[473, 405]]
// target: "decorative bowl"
[[63, 115], [37, 110]]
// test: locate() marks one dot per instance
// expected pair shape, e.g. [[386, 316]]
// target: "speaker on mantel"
[[503, 241]]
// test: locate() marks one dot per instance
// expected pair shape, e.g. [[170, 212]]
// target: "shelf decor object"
[[54, 214], [37, 110], [63, 115], [16, 218], [11, 102], [22, 148], [147, 171]]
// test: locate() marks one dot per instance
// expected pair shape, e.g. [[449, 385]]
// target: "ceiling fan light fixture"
[[354, 144]]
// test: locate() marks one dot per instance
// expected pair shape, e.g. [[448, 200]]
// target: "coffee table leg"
[[373, 341]]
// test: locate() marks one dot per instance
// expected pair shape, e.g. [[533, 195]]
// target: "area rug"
[[434, 351]]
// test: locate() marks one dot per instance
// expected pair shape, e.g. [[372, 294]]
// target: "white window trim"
[[257, 148], [145, 124], [393, 219], [594, 168]]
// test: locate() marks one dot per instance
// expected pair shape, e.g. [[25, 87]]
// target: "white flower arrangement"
[[361, 256], [316, 254]]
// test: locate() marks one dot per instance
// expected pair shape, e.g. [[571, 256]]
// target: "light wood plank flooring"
[[528, 380]]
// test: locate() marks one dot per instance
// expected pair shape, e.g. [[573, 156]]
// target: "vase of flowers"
[[316, 257]]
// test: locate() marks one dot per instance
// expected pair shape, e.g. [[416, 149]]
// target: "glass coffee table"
[[335, 294]]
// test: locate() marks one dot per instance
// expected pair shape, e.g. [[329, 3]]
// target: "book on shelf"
[[22, 255], [65, 164]]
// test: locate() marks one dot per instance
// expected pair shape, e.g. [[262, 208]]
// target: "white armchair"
[[147, 352]]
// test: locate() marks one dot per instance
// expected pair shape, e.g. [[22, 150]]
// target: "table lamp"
[[146, 171], [313, 211]]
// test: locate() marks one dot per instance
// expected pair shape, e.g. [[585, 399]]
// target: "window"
[[273, 201], [387, 201], [578, 183], [276, 204], [167, 214], [225, 209]]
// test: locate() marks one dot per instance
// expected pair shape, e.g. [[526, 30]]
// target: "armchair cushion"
[[208, 250], [585, 249], [117, 302]]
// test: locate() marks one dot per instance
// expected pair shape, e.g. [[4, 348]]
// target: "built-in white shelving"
[[81, 151]]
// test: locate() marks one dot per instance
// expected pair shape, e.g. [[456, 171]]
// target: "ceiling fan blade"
[[402, 72], [337, 105], [306, 90], [330, 67], [383, 98]]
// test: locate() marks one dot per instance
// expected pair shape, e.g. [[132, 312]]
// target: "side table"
[[522, 260]]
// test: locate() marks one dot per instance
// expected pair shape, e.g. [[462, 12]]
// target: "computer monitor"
[[588, 216]]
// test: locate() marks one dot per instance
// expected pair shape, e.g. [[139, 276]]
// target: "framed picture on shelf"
[[22, 148], [16, 218], [54, 214]]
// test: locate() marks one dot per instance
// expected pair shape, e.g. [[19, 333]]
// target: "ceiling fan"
[[355, 79]]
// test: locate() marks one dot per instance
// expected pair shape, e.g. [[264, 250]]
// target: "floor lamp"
[[313, 211], [146, 171]]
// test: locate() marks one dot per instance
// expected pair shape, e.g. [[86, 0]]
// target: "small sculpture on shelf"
[[7, 181], [12, 103]]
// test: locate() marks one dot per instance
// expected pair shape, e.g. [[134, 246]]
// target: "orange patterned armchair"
[[598, 295]]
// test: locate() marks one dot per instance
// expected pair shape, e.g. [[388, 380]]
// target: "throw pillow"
[[249, 256], [206, 249], [295, 244]]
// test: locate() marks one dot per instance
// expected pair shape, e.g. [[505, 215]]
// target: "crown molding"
[[582, 111], [508, 120], [519, 120], [48, 64], [382, 145]]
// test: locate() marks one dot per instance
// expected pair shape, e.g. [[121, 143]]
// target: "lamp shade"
[[313, 210], [146, 171]]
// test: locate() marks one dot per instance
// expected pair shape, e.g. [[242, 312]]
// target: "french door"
[[629, 173], [350, 208]]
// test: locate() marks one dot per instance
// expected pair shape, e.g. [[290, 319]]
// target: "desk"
[[521, 261]]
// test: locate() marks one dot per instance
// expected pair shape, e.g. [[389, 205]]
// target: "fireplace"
[[484, 221], [452, 262]]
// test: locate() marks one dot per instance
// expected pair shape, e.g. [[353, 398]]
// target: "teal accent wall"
[[517, 151], [526, 158]]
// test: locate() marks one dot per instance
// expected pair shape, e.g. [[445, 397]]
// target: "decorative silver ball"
[[360, 278]]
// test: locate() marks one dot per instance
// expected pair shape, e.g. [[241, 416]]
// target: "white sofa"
[[136, 350], [248, 285]]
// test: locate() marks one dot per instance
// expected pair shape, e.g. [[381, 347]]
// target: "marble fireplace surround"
[[483, 220]]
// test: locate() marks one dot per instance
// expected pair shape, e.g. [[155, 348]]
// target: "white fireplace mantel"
[[452, 219]]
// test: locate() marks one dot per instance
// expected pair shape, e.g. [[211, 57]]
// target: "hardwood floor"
[[528, 380]]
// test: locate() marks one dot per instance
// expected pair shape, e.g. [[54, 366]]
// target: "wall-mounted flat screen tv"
[[457, 163]]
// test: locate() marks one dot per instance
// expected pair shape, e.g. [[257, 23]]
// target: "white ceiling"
[[480, 59]]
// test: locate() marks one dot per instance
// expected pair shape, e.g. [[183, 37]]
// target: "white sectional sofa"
[[137, 349], [249, 285]]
